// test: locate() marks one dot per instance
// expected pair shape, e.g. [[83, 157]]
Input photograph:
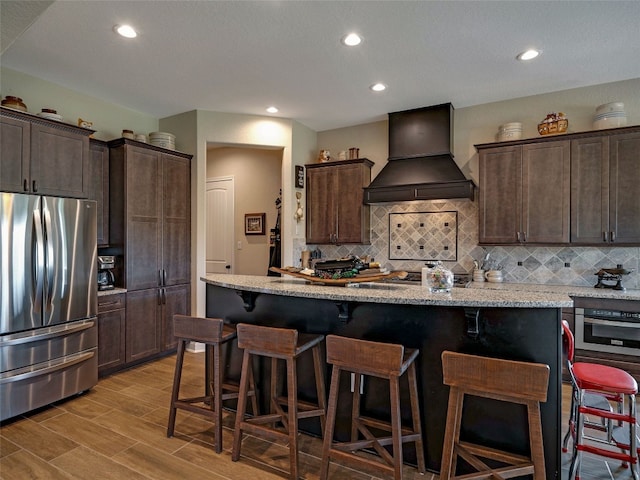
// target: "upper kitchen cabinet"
[[99, 191], [605, 174], [43, 156], [335, 210], [524, 193]]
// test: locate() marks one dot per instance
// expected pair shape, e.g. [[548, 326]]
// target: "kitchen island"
[[506, 324]]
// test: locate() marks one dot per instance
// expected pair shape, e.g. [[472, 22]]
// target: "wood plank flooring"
[[117, 430]]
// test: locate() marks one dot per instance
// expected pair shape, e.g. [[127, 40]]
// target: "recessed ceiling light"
[[125, 30], [378, 87], [351, 40], [272, 109], [529, 54]]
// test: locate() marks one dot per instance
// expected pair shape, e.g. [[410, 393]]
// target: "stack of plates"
[[50, 114], [163, 139], [510, 131], [610, 115]]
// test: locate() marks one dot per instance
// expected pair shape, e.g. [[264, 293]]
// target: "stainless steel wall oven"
[[609, 329]]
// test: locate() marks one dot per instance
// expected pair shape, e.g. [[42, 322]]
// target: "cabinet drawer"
[[107, 303]]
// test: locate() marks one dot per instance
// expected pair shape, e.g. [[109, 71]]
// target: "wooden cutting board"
[[341, 282]]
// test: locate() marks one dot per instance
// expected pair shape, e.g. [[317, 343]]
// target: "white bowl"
[[610, 107], [610, 122]]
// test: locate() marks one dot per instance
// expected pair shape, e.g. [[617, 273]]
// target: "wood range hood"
[[420, 164]]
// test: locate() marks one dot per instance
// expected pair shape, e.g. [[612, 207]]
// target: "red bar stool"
[[384, 360], [213, 332], [615, 384], [278, 344], [505, 380]]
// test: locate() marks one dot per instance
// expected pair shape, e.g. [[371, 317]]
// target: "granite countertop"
[[102, 293], [572, 291], [383, 292]]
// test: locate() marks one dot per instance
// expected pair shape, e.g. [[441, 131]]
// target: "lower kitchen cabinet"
[[111, 332], [150, 320]]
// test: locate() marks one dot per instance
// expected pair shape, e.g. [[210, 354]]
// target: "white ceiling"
[[242, 56]]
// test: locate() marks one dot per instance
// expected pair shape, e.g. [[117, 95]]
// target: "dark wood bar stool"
[[505, 380], [383, 360], [213, 332], [278, 344]]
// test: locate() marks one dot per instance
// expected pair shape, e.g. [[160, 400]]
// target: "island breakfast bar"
[[514, 325]]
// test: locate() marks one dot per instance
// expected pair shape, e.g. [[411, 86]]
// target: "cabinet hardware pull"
[[164, 277], [159, 296], [612, 236], [35, 186], [159, 278], [25, 185], [604, 236], [517, 236], [524, 236]]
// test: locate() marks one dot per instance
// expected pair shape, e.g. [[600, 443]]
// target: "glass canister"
[[437, 278]]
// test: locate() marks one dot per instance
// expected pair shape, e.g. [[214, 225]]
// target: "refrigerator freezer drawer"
[[23, 349], [32, 387]]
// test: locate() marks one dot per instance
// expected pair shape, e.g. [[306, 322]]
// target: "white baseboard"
[[195, 347]]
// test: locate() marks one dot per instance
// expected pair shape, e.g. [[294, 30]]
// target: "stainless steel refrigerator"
[[48, 300]]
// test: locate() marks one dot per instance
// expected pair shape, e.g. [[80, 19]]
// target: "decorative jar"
[[437, 278]]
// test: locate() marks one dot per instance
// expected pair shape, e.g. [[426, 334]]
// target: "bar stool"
[[509, 381], [213, 332], [589, 380], [278, 344], [384, 360]]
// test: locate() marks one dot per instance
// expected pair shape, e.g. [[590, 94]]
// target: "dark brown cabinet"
[[111, 332], [150, 218], [524, 193], [335, 210], [99, 190], [43, 156], [605, 173]]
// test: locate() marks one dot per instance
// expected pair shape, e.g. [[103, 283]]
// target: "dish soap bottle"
[[437, 278]]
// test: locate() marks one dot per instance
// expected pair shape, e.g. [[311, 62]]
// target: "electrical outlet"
[[239, 245]]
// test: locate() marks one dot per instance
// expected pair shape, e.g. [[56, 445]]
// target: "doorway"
[[220, 225], [257, 177]]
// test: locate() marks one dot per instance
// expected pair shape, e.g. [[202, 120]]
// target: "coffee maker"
[[106, 280]]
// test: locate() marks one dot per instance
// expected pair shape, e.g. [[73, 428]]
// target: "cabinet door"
[[500, 195], [589, 190], [624, 204], [176, 220], [99, 187], [143, 324], [59, 162], [321, 209], [143, 218], [353, 219], [15, 150], [111, 339], [546, 190], [176, 300]]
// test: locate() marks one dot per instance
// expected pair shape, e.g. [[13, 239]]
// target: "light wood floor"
[[117, 430]]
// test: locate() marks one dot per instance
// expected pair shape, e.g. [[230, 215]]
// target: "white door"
[[219, 211]]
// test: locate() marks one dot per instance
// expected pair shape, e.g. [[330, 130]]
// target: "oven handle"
[[610, 323]]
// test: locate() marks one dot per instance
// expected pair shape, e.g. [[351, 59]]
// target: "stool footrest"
[[493, 454], [263, 431], [382, 425], [359, 459]]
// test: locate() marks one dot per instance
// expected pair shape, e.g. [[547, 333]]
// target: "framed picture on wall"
[[254, 223]]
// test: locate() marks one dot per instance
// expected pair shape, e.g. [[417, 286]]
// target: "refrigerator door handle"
[[38, 264], [49, 264], [47, 368], [47, 333]]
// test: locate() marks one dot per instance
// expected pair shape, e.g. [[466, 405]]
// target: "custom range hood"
[[420, 164]]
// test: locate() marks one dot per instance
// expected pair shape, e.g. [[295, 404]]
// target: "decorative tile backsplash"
[[566, 265], [423, 236]]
